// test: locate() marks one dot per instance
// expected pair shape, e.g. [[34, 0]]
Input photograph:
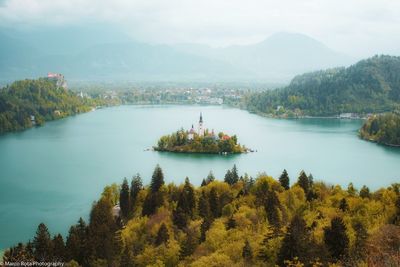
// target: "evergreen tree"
[[295, 242], [214, 203], [154, 198], [203, 183], [272, 206], [284, 180], [187, 200], [58, 248], [210, 177], [127, 258], [231, 223], [351, 190], [157, 180], [228, 177], [235, 175], [124, 199], [364, 192], [247, 251], [77, 243], [204, 227], [102, 228], [336, 239], [162, 235], [42, 244], [360, 241], [189, 245], [303, 182], [204, 206], [180, 218], [136, 186], [343, 206]]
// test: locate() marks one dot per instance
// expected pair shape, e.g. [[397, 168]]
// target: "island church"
[[201, 130]]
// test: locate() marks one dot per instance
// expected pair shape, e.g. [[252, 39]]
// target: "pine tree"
[[210, 177], [360, 241], [162, 235], [235, 175], [124, 199], [187, 201], [364, 192], [231, 223], [343, 206], [77, 243], [272, 206], [42, 244], [284, 180], [203, 183], [155, 197], [247, 251], [189, 245], [214, 203], [295, 242], [127, 258], [303, 182], [204, 206], [58, 248], [136, 186], [228, 177], [157, 180], [204, 227], [336, 238], [180, 218], [102, 228]]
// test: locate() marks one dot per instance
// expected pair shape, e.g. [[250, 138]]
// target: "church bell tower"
[[201, 129]]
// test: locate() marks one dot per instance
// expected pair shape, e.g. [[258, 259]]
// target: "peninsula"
[[201, 141]]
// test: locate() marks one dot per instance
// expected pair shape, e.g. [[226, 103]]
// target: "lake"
[[52, 174]]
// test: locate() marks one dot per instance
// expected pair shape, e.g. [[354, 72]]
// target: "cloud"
[[360, 27]]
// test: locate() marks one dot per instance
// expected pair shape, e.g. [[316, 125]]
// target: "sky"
[[358, 28]]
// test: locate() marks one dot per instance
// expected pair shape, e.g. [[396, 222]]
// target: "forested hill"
[[26, 103], [383, 129], [237, 222], [371, 85]]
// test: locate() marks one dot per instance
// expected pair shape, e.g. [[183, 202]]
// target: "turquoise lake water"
[[52, 174]]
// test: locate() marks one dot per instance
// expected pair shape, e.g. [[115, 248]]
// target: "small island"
[[382, 129], [200, 141]]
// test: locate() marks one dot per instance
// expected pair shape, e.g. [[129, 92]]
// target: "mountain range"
[[106, 54]]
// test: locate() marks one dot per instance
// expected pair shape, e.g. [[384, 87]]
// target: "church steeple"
[[201, 129]]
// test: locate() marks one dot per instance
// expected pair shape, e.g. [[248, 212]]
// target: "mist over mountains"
[[106, 54]]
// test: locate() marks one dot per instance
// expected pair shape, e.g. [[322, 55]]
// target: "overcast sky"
[[357, 27]]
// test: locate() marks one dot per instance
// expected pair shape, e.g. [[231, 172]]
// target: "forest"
[[180, 142], [240, 221], [382, 128], [369, 86], [27, 103]]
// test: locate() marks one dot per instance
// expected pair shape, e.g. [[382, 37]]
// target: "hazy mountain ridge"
[[105, 54]]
